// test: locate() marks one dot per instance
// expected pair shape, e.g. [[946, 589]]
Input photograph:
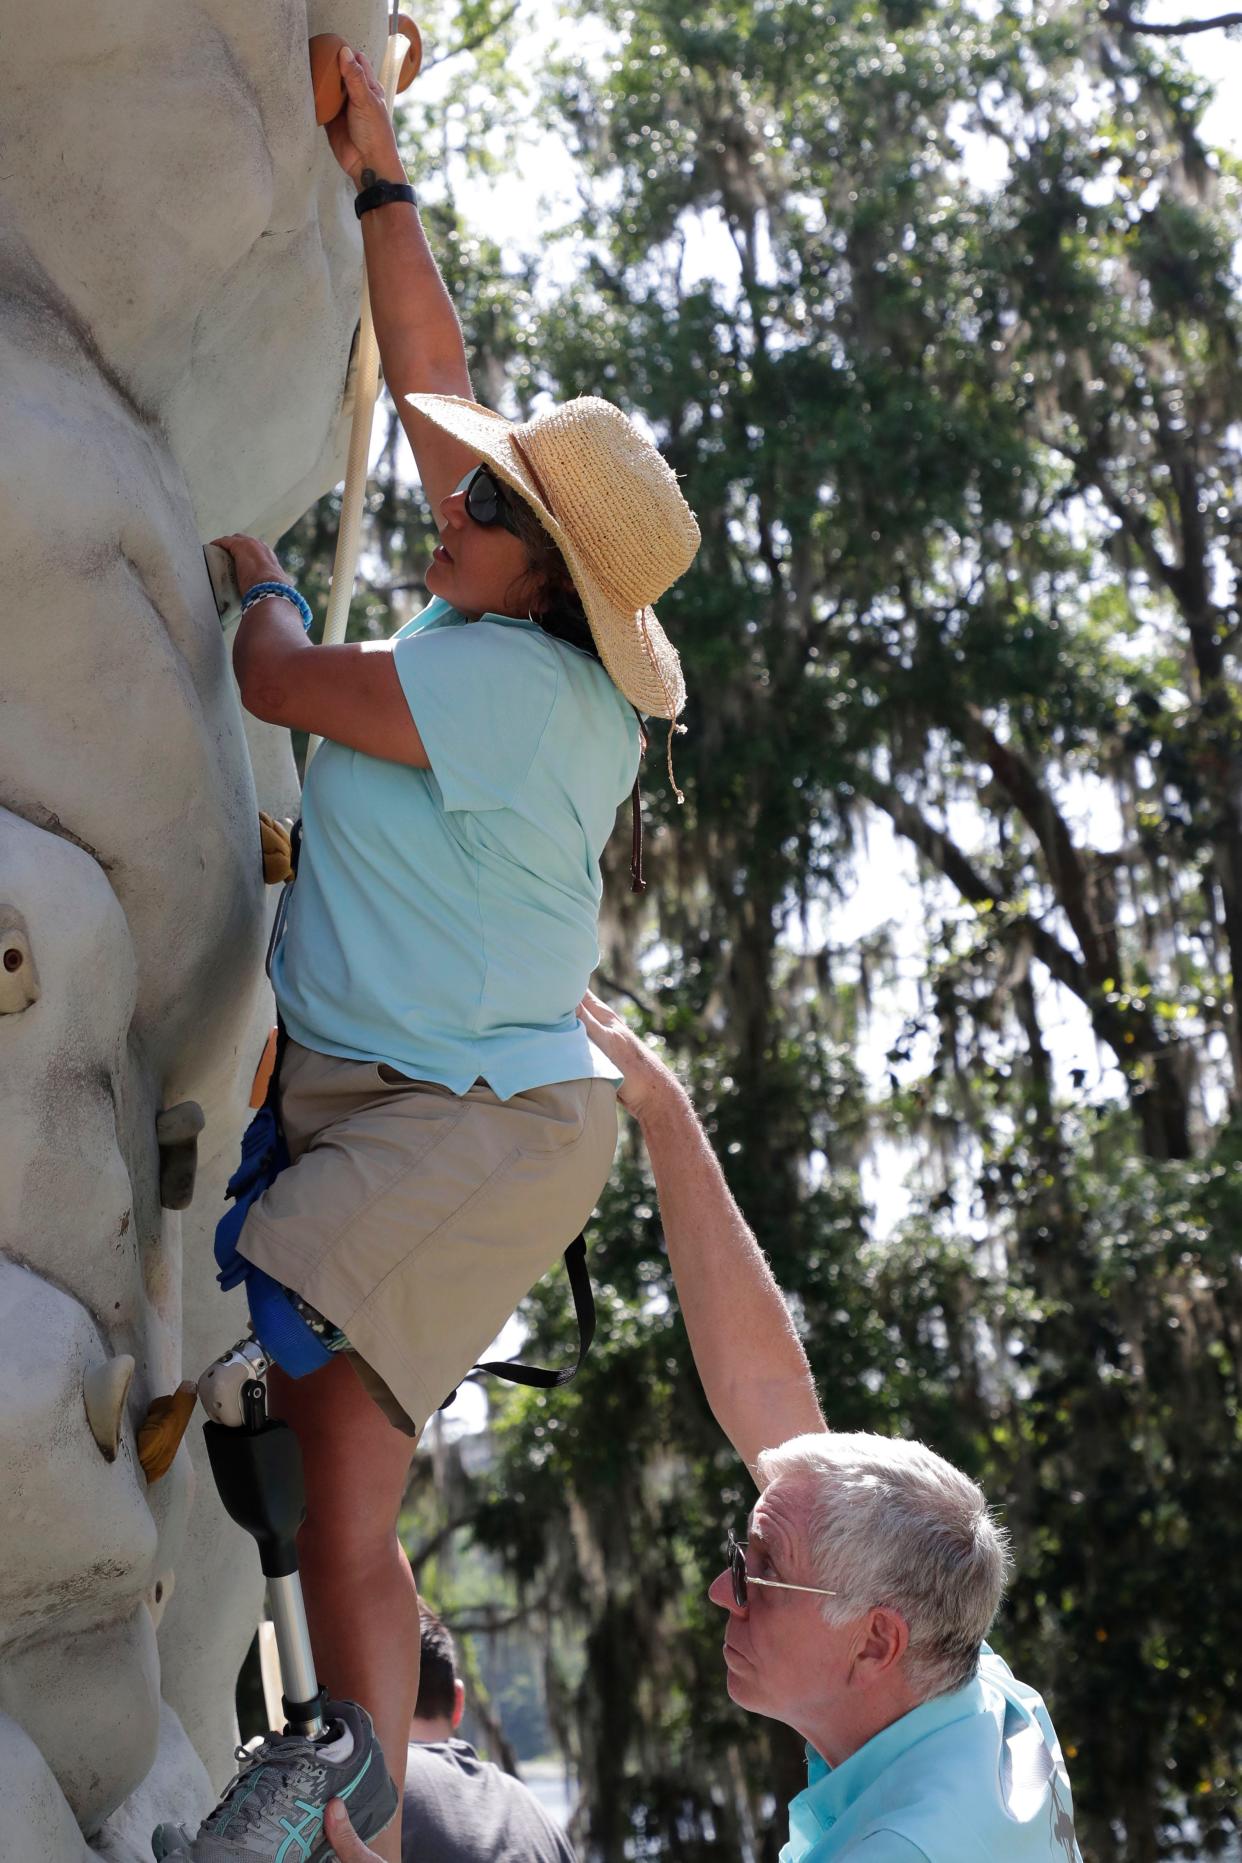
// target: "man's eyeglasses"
[[487, 501], [736, 1553]]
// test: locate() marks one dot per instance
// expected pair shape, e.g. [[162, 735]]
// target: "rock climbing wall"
[[179, 279]]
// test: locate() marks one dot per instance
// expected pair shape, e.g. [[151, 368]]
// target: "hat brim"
[[637, 654]]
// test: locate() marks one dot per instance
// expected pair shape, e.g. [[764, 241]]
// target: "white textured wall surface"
[[179, 278]]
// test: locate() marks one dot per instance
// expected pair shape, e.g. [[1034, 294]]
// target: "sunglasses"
[[487, 501], [735, 1552]]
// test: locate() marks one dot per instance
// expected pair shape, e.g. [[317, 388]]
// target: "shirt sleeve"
[[480, 696]]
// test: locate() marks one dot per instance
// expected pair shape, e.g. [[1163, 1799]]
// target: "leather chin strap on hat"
[[637, 883], [674, 729]]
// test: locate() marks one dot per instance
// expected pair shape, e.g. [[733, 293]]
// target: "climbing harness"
[[540, 1376], [285, 1335]]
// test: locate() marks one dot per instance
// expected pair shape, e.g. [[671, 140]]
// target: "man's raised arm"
[[748, 1356]]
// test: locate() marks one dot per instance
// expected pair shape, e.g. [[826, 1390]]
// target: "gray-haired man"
[[861, 1594]]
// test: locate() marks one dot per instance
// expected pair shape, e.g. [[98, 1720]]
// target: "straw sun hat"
[[612, 506]]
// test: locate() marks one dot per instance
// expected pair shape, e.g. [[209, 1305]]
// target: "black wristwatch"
[[380, 193]]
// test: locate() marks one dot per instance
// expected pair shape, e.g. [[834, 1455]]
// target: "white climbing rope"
[[366, 386]]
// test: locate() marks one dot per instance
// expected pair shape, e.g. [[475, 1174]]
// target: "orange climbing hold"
[[325, 64]]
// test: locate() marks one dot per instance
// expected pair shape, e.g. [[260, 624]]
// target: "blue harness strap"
[[278, 1326]]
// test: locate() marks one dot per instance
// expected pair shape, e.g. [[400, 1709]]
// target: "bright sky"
[[515, 208]]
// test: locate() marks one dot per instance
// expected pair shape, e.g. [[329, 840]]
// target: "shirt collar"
[[501, 620], [831, 1790]]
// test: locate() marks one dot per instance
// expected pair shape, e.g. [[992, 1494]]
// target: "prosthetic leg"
[[258, 1471], [257, 1465], [328, 1748]]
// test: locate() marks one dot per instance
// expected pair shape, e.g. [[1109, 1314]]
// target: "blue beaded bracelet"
[[287, 593]]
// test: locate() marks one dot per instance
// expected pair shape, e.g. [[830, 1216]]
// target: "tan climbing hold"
[[104, 1391], [223, 578], [412, 63], [275, 838], [162, 1429], [19, 986], [326, 81]]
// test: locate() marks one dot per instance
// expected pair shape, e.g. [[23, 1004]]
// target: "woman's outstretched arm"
[[420, 340]]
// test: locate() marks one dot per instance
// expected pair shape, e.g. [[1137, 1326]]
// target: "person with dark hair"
[[459, 1808], [450, 1126], [441, 1692]]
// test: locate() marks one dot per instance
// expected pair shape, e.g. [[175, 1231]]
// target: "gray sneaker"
[[272, 1812]]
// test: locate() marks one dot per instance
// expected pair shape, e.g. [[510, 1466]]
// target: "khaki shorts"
[[416, 1218]]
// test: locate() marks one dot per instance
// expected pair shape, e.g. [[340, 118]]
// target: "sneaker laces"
[[269, 1768]]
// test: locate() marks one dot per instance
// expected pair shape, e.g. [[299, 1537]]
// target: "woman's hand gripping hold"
[[362, 136]]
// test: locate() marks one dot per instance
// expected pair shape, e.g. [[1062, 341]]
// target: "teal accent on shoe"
[[355, 1783], [313, 1821], [297, 1833]]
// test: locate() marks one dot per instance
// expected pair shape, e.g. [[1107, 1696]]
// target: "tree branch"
[[616, 988], [1129, 1031], [1066, 869], [475, 40], [431, 1547], [979, 889], [1089, 471], [933, 843], [1139, 529], [490, 1622], [386, 589], [1123, 17]]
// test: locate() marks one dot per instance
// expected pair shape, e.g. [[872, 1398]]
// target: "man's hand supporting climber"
[[749, 1359]]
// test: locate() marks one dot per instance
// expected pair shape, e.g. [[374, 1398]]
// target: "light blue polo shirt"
[[445, 920], [972, 1777]]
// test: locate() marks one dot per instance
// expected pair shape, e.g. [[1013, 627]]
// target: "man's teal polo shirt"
[[972, 1777]]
